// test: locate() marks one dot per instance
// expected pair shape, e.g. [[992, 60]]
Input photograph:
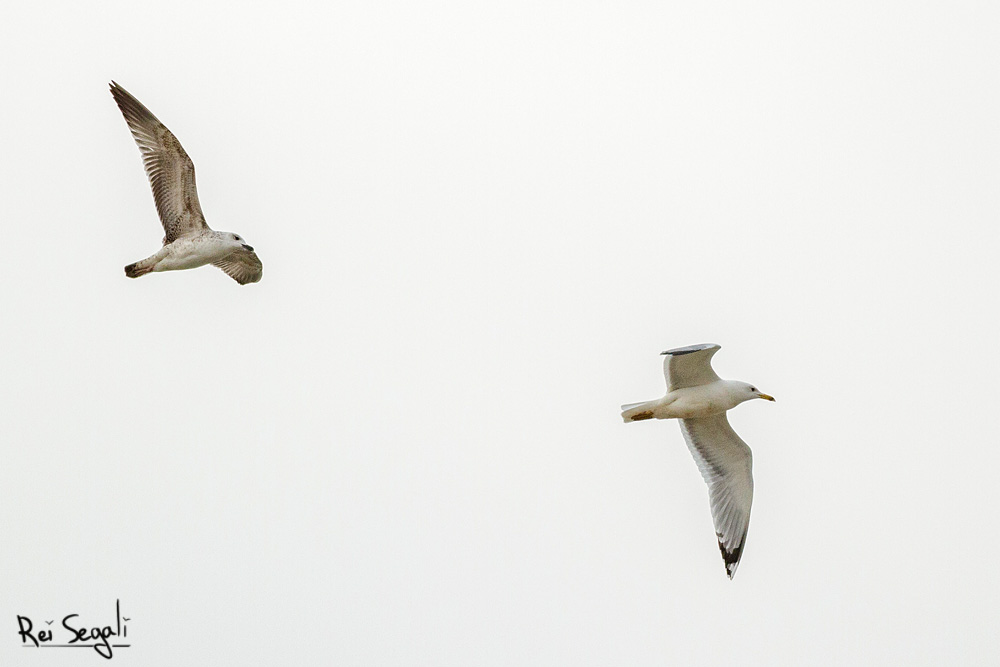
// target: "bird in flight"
[[699, 399], [189, 242]]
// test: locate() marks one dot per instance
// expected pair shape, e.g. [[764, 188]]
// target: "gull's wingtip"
[[688, 349], [118, 92], [731, 557]]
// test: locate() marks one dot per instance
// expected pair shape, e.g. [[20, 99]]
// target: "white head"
[[237, 240], [747, 391]]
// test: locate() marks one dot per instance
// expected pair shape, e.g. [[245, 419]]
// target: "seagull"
[[189, 242], [699, 399]]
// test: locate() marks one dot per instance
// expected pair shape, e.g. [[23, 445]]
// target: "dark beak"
[[248, 247]]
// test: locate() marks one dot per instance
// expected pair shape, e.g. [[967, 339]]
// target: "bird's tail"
[[634, 412], [137, 269]]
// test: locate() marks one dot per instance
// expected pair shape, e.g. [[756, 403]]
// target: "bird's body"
[[189, 241], [700, 399], [184, 253], [689, 402]]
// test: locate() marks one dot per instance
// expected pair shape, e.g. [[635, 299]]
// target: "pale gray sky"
[[480, 223]]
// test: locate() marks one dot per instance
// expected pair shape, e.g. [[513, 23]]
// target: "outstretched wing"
[[726, 464], [168, 167], [689, 366], [243, 266]]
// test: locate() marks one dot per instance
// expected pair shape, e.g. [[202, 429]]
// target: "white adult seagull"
[[699, 399], [189, 241]]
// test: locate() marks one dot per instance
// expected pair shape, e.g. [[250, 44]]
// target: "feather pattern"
[[168, 167], [726, 464], [243, 266], [689, 366]]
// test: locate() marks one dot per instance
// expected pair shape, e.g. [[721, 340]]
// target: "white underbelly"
[[174, 263], [184, 254], [689, 405]]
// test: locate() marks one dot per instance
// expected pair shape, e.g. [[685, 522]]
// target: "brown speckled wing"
[[243, 266], [168, 167]]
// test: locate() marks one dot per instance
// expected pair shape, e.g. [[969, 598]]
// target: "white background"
[[480, 223]]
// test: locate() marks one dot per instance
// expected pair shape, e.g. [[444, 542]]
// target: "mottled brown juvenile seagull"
[[189, 242]]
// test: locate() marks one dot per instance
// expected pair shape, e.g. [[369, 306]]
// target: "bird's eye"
[[753, 388]]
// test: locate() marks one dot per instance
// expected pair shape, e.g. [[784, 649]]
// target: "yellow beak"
[[766, 397]]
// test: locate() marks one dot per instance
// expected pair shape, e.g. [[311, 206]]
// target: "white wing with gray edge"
[[690, 366], [726, 464]]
